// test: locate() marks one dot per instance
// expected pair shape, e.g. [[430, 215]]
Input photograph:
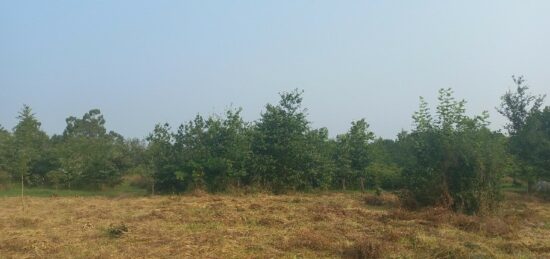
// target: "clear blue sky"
[[145, 62]]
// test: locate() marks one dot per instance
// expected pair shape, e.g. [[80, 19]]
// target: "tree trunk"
[[362, 180], [153, 189]]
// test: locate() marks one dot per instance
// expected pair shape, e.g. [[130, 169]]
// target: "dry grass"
[[266, 226]]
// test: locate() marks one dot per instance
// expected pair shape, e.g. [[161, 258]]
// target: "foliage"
[[527, 129], [29, 144], [447, 159], [283, 157], [352, 154], [89, 156], [532, 145], [456, 161], [519, 105]]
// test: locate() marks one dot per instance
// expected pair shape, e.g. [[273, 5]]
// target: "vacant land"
[[266, 226]]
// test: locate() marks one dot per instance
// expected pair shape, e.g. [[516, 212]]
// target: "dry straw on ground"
[[265, 226]]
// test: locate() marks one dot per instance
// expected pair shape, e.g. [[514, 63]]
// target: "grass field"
[[325, 225]]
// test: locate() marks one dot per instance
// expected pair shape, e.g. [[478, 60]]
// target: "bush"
[[454, 162]]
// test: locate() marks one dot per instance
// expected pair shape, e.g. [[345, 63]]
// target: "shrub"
[[454, 161]]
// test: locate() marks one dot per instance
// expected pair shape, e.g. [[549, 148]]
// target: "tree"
[[354, 157], [279, 144], [162, 160], [455, 159], [518, 106], [532, 145], [213, 153], [342, 160], [384, 169], [320, 165], [5, 144], [29, 141], [91, 157]]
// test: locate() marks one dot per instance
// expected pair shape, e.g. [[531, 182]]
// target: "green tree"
[[518, 106], [89, 156], [161, 157], [29, 142], [320, 166], [384, 169], [5, 146], [353, 154], [456, 160], [280, 145], [213, 153], [532, 145]]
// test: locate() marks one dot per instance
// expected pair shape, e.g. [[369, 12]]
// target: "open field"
[[265, 226]]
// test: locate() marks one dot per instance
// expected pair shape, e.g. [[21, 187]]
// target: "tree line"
[[448, 158]]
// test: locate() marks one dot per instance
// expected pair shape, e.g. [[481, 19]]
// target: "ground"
[[322, 225]]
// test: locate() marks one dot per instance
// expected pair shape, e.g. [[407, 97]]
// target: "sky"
[[148, 62]]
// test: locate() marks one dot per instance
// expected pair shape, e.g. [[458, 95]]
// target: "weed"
[[116, 230]]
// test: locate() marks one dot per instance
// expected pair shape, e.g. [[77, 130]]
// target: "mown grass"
[[321, 225]]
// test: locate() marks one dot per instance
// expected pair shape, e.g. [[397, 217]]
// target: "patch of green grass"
[[121, 190], [513, 188]]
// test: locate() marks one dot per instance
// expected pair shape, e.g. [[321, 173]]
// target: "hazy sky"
[[145, 62]]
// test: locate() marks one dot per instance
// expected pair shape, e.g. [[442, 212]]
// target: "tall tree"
[[279, 144], [160, 153], [91, 157], [29, 141], [353, 154], [518, 106], [455, 161], [532, 145], [5, 144]]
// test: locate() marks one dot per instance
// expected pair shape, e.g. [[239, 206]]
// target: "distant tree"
[[531, 144], [193, 152], [455, 161], [5, 146], [320, 166], [384, 169], [280, 145], [91, 125], [89, 156], [213, 152], [342, 160], [161, 155], [353, 154], [29, 142], [518, 106]]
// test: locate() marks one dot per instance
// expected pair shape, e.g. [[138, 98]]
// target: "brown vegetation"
[[267, 226]]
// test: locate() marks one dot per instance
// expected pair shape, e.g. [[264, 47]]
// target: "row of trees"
[[84, 156], [448, 158]]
